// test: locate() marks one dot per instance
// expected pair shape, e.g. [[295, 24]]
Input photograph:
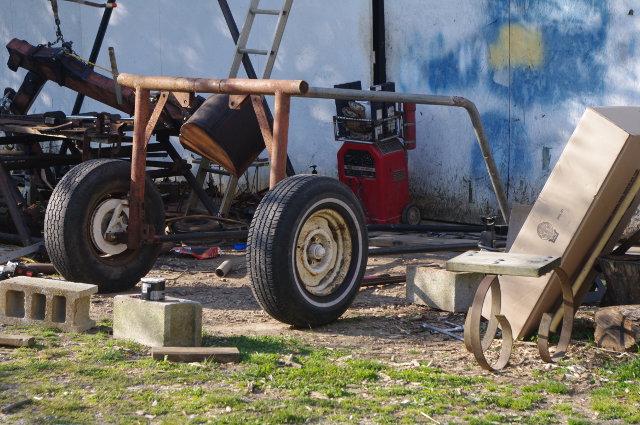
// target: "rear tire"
[[80, 211], [307, 250]]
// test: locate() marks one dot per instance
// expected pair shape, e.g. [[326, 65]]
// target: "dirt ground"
[[380, 324]]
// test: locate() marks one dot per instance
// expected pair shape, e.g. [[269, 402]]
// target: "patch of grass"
[[565, 408], [92, 379], [620, 396], [575, 421], [541, 418], [549, 386]]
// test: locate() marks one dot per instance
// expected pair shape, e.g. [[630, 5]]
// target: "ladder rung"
[[253, 51], [265, 12]]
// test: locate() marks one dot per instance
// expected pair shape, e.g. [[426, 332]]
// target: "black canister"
[[152, 288]]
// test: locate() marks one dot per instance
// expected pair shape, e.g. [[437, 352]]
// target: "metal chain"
[[59, 37]]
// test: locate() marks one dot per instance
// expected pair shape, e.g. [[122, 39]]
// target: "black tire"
[[69, 219], [411, 215], [305, 216]]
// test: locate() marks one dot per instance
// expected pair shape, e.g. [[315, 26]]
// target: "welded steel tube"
[[138, 168], [426, 99], [209, 85], [280, 138], [224, 268]]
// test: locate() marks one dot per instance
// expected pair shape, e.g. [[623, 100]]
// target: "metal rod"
[[114, 71], [138, 165], [280, 138], [442, 331], [211, 85], [422, 99], [423, 228], [197, 188], [421, 248], [95, 50], [201, 236]]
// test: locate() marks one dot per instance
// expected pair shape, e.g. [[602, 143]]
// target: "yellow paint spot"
[[518, 46]]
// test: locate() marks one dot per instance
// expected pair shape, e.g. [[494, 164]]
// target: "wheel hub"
[[316, 251], [109, 218], [323, 252]]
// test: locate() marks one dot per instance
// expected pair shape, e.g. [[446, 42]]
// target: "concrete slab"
[[442, 289], [172, 322]]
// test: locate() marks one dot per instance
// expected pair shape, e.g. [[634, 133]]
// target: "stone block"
[[171, 322], [442, 289], [36, 301]]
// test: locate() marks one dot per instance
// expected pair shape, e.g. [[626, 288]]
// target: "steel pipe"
[[138, 168], [242, 86], [398, 250], [426, 99], [280, 138]]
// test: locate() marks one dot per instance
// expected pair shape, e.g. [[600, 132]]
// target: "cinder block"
[[36, 301], [169, 323], [442, 289]]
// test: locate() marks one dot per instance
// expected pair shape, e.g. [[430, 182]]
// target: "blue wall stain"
[[571, 68]]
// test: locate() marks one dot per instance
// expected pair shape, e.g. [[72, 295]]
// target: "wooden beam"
[[196, 354]]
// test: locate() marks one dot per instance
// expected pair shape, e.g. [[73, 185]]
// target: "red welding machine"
[[373, 158]]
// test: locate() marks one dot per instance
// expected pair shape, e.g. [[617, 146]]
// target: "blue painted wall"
[[531, 67]]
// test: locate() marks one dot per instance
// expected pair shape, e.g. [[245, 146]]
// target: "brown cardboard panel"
[[576, 203]]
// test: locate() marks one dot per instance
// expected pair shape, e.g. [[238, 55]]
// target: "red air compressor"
[[373, 158]]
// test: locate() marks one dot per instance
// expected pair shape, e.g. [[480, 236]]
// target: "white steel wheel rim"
[[103, 222], [323, 252]]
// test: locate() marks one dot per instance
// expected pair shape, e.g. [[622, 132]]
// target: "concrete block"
[[36, 301], [17, 340], [169, 323], [442, 289]]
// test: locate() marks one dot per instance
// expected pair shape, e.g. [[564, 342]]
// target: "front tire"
[[87, 204], [307, 250]]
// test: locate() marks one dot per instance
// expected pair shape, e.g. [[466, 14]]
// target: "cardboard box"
[[595, 171]]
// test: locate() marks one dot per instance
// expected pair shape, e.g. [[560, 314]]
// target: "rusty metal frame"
[[283, 90]]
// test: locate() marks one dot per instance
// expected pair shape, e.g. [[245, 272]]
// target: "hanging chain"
[[66, 45]]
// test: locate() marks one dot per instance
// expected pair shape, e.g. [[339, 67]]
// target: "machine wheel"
[[88, 204], [411, 214], [307, 250]]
